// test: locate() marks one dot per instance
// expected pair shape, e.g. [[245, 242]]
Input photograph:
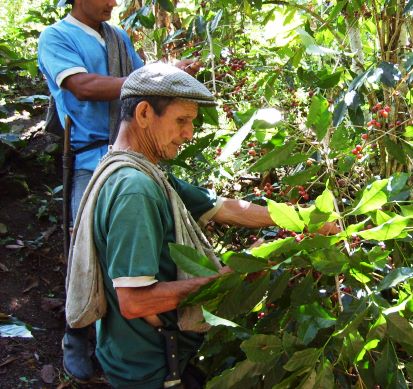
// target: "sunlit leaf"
[[388, 230], [266, 249], [274, 158], [217, 321], [325, 202], [319, 117], [373, 198], [285, 216]]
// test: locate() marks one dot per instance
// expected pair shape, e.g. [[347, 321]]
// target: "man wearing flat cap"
[[134, 210], [131, 211]]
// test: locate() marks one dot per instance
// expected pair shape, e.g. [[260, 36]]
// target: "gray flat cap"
[[159, 79]]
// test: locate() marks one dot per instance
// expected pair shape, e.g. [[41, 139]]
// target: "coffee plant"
[[314, 119]]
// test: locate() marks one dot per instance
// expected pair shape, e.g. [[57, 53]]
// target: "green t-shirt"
[[133, 225]]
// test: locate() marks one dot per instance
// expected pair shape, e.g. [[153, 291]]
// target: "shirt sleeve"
[[199, 201], [134, 240], [58, 57]]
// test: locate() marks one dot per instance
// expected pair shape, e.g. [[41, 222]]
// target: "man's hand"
[[189, 66]]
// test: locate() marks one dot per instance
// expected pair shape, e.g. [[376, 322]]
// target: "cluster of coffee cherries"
[[237, 64], [227, 109], [252, 152], [267, 190], [357, 151], [380, 112], [303, 193]]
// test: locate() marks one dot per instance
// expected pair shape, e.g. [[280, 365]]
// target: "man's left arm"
[[242, 213], [245, 214]]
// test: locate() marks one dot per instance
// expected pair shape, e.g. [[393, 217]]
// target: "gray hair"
[[158, 103]]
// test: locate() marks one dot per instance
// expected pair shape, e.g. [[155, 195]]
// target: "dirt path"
[[32, 272]]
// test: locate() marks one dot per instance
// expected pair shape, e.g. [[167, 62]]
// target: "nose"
[[188, 132], [113, 3]]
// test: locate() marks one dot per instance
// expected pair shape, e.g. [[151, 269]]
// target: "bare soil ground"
[[32, 270]]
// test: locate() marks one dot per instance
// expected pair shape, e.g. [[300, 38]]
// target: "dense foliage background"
[[315, 119]]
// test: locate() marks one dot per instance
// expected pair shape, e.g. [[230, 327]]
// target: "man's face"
[[97, 11], [174, 127]]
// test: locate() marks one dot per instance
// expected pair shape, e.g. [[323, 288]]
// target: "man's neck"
[[131, 139], [88, 22]]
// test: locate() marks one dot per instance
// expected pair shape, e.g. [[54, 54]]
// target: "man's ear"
[[143, 114]]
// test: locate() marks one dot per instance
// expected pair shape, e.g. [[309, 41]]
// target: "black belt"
[[173, 379], [94, 145]]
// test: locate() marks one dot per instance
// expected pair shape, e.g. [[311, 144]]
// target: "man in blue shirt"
[[73, 56]]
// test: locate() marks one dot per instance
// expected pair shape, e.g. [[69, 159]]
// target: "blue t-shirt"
[[69, 47]]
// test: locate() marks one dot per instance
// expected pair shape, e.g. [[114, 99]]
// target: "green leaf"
[[278, 287], [262, 348], [167, 5], [407, 210], [378, 257], [216, 20], [370, 345], [349, 321], [233, 378], [304, 292], [386, 366], [302, 177], [274, 158], [244, 297], [389, 73], [194, 149], [319, 117], [408, 9], [246, 263], [200, 25], [191, 261], [395, 150], [311, 318], [325, 202], [330, 261], [217, 321], [388, 230], [359, 276], [408, 132], [304, 358], [285, 216], [210, 115], [339, 113], [214, 289], [329, 80], [400, 330], [266, 249], [325, 376], [395, 277], [373, 198], [397, 183]]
